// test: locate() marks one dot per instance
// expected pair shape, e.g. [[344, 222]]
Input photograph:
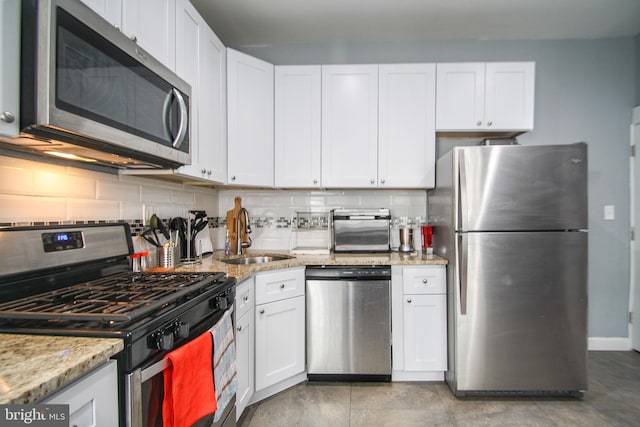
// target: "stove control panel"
[[62, 241]]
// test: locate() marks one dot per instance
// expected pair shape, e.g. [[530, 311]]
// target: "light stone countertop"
[[32, 366], [240, 272]]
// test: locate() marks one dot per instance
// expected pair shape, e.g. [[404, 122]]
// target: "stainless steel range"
[[76, 280]]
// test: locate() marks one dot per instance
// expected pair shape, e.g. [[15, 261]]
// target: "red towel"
[[188, 383]]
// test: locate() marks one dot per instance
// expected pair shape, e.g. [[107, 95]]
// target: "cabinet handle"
[[382, 181], [239, 328], [208, 172], [7, 117], [478, 123], [134, 39], [409, 300], [203, 171], [425, 281], [489, 123], [281, 285], [245, 298], [262, 311], [315, 181], [373, 181], [233, 178]]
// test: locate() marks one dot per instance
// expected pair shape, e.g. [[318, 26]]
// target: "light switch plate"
[[609, 212]]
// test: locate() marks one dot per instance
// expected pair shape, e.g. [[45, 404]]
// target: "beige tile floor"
[[613, 399]]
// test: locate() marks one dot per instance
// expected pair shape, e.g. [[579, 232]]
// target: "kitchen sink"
[[246, 260]]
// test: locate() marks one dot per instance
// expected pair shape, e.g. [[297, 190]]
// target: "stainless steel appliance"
[[360, 230], [512, 221], [348, 322], [75, 280], [89, 93]]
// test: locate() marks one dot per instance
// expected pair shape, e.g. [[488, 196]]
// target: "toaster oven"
[[360, 230]]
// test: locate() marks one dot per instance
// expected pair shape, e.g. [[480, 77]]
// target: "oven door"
[[144, 392]]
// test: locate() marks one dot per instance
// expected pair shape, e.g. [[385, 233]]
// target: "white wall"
[[585, 90]]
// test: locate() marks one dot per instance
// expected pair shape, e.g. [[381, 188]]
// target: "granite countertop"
[[241, 272], [32, 366]]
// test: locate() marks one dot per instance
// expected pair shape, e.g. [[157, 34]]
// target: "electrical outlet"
[[609, 212]]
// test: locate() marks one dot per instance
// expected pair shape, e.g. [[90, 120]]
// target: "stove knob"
[[182, 330], [222, 303], [165, 341]]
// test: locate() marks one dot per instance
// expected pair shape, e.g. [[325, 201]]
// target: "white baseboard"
[[609, 343]]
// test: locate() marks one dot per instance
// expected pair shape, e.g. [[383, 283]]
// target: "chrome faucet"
[[247, 228]]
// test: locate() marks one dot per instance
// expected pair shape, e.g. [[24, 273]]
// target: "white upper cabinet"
[[10, 69], [250, 120], [406, 126], [297, 126], [487, 97], [152, 24], [201, 62], [110, 10], [349, 126]]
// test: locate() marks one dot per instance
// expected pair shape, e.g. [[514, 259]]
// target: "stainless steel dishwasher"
[[348, 323]]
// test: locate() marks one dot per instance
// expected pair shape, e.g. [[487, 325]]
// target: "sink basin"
[[246, 260]]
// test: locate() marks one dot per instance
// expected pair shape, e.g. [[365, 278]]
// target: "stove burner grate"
[[122, 297]]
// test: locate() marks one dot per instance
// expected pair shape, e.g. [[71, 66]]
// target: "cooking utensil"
[[146, 235]]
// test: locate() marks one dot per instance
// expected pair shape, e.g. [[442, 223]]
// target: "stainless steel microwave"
[[90, 93]]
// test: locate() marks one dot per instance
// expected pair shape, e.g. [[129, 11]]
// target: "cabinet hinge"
[[630, 317], [633, 151], [633, 234]]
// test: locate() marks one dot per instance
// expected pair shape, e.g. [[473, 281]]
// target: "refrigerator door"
[[521, 312], [522, 188]]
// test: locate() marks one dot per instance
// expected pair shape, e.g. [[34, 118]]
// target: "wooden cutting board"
[[232, 218]]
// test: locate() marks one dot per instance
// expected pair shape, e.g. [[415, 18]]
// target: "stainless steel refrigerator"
[[512, 222]]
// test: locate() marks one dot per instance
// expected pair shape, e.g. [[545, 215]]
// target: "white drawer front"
[[245, 297], [279, 285], [424, 280]]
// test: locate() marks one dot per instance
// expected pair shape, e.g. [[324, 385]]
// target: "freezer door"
[[522, 187], [521, 312]]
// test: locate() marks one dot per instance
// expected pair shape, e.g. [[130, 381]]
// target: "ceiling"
[[256, 23]]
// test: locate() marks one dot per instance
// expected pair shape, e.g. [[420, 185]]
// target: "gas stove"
[[76, 281]]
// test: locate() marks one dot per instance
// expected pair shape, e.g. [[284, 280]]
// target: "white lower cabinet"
[[419, 319], [92, 399], [245, 344], [280, 330]]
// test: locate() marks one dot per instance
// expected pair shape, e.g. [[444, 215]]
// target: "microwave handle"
[[184, 118]]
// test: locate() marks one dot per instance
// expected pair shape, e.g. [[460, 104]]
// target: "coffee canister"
[[406, 239]]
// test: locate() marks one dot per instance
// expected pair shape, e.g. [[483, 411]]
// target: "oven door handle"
[[133, 390]]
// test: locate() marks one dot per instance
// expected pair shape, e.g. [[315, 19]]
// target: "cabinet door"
[[245, 352], [110, 10], [406, 123], [202, 63], [460, 96], [280, 341], [425, 333], [10, 69], [350, 126], [297, 126], [509, 95], [152, 23], [245, 297], [250, 120], [92, 399]]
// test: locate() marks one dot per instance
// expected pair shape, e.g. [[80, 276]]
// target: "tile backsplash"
[[39, 193]]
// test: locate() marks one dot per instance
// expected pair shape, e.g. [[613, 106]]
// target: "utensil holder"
[[168, 256]]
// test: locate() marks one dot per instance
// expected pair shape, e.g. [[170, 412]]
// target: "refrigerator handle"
[[462, 191], [462, 274]]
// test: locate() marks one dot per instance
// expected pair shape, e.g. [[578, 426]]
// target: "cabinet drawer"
[[424, 280], [245, 297], [279, 285]]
